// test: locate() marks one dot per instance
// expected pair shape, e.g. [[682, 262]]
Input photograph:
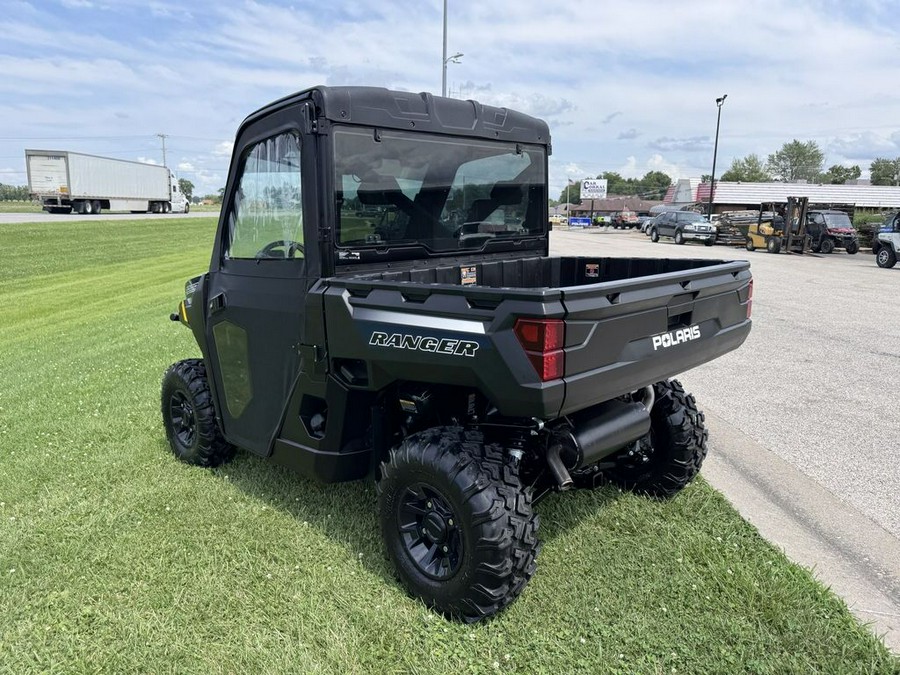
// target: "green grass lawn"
[[32, 207], [116, 558], [19, 207]]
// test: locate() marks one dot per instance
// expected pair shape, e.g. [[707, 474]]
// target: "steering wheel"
[[291, 248]]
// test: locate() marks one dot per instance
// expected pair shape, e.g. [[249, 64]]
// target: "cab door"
[[258, 281], [667, 225]]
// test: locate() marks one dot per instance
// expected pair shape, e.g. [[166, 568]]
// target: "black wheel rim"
[[430, 532], [183, 420]]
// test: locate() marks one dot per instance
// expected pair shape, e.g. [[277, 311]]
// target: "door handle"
[[217, 303]]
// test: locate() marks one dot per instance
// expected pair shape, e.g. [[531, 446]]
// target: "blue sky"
[[627, 87]]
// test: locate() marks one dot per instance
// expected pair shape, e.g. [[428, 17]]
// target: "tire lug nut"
[[450, 522], [445, 549], [428, 505]]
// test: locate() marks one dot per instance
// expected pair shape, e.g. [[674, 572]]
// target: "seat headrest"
[[506, 194]]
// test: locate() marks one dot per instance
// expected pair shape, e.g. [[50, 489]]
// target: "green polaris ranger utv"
[[381, 303]]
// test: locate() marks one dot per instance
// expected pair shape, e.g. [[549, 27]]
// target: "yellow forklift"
[[780, 227]]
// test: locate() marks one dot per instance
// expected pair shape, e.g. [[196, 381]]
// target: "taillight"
[[750, 299], [543, 341]]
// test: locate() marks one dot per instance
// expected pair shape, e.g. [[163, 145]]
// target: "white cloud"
[[185, 166], [821, 71]]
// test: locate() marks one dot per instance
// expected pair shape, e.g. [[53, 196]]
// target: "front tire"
[[457, 523], [827, 246], [852, 248], [773, 245], [189, 417], [886, 257], [654, 235], [679, 237], [671, 455], [187, 208]]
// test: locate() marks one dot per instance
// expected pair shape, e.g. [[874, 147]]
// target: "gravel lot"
[[814, 382]]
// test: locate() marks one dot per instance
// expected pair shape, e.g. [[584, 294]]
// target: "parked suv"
[[683, 226]]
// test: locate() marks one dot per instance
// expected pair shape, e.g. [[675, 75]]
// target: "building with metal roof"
[[613, 205], [736, 195]]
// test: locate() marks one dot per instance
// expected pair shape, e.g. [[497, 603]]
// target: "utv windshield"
[[442, 193], [838, 220]]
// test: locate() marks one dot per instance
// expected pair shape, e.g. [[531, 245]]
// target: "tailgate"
[[623, 335]]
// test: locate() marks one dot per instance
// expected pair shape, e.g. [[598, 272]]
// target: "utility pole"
[[163, 137]]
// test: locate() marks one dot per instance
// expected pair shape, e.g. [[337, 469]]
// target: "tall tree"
[[885, 171], [616, 184], [749, 169], [187, 187], [797, 161], [654, 185], [838, 175]]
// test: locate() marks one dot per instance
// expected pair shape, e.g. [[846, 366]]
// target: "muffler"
[[596, 433], [602, 430]]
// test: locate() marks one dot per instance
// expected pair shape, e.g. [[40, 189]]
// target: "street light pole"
[[444, 56], [712, 183], [446, 59]]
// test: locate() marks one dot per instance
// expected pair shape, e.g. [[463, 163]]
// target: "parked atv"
[[829, 230], [886, 246]]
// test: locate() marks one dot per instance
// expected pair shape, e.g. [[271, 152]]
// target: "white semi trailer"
[[72, 182]]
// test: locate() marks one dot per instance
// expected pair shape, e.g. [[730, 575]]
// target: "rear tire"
[[750, 246], [675, 448], [87, 208], [96, 207], [457, 523], [886, 257], [827, 246], [189, 417]]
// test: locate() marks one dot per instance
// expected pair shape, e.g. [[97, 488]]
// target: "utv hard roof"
[[388, 109]]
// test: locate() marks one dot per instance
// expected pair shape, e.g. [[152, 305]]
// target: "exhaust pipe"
[[558, 468]]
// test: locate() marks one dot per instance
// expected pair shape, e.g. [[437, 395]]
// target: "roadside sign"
[[579, 222], [593, 188]]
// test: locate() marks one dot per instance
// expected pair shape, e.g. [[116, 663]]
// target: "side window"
[[266, 219]]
